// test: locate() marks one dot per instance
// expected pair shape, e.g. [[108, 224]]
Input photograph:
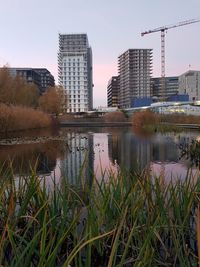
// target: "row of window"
[[75, 73], [74, 64], [69, 87], [77, 68], [77, 101], [71, 96], [75, 78]]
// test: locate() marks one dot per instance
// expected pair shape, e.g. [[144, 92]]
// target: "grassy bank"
[[152, 122], [126, 221], [13, 118]]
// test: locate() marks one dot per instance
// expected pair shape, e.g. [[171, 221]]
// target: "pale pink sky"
[[29, 33]]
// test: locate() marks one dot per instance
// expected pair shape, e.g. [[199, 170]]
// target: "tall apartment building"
[[171, 86], [189, 83], [135, 68], [113, 91], [41, 77], [75, 72]]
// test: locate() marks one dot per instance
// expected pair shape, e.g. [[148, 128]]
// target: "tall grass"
[[128, 220]]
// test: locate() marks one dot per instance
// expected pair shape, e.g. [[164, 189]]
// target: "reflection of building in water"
[[77, 165], [45, 165], [114, 151], [132, 153], [164, 149]]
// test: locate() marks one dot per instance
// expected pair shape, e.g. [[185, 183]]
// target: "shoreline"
[[95, 124]]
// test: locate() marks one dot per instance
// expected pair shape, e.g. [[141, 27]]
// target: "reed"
[[126, 220]]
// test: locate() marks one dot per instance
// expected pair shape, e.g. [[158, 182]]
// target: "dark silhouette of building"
[[41, 77], [113, 92]]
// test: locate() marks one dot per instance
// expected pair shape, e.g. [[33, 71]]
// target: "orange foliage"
[[51, 100], [14, 118], [145, 117], [16, 91]]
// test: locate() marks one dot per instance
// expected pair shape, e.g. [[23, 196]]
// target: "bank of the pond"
[[94, 124]]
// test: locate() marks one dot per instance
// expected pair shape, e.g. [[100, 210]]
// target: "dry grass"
[[14, 118], [116, 116], [145, 117], [66, 117], [178, 118]]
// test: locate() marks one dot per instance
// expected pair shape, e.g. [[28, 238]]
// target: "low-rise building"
[[41, 77], [189, 83], [171, 86]]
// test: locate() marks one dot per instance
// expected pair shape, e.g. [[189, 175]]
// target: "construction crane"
[[163, 30]]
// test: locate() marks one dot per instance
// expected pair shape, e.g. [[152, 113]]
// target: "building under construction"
[[135, 69]]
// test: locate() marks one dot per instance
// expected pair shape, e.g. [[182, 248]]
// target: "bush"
[[116, 116], [21, 118], [145, 117]]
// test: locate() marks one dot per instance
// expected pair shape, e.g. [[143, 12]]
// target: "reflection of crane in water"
[[163, 30]]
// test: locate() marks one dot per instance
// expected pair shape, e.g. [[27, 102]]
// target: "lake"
[[79, 153]]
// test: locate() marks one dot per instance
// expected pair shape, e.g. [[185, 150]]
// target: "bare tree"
[[16, 91]]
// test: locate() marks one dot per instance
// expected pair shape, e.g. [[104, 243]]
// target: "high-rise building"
[[41, 77], [189, 83], [113, 91], [75, 72], [135, 68]]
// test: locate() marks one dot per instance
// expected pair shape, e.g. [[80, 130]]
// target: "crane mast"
[[163, 29]]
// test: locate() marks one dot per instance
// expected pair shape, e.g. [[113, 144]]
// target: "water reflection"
[[92, 151], [23, 157], [77, 165]]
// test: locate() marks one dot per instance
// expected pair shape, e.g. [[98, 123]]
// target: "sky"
[[29, 34]]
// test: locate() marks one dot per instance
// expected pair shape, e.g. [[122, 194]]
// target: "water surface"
[[84, 152]]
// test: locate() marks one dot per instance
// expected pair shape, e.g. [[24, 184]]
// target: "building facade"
[[75, 72], [113, 91], [135, 68], [41, 77], [171, 86], [46, 78], [189, 83]]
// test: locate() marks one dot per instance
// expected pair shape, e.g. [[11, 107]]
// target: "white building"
[[189, 83], [75, 72]]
